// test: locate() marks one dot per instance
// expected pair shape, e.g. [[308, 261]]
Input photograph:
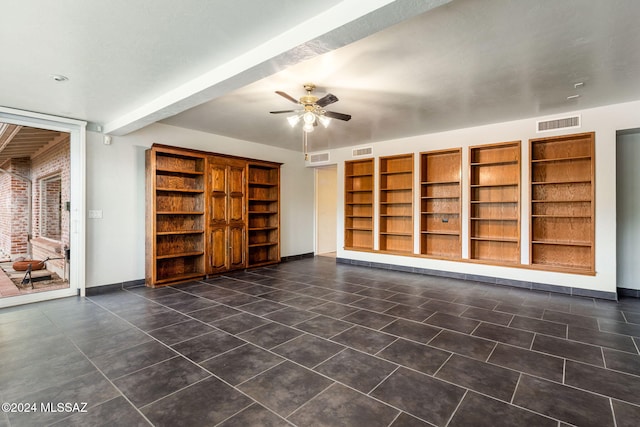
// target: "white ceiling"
[[400, 68]]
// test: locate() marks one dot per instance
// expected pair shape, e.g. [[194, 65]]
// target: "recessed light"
[[59, 77]]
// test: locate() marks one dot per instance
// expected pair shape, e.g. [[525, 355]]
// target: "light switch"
[[95, 214]]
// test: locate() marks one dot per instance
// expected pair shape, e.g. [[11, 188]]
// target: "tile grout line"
[[494, 347], [310, 399], [613, 412], [453, 413], [513, 396], [106, 378]]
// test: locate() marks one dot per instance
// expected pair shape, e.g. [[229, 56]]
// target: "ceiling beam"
[[59, 138], [7, 133], [348, 21]]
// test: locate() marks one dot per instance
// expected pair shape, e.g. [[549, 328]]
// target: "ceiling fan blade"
[[327, 99], [339, 116], [287, 96], [282, 111]]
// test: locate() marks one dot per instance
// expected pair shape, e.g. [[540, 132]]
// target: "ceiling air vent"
[[555, 124], [363, 151], [319, 158]]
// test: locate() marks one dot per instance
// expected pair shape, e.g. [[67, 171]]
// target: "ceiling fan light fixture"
[[309, 117], [308, 127], [293, 120], [324, 120]]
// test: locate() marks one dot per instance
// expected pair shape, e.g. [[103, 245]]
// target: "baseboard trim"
[[566, 290], [103, 289], [626, 292], [297, 257]]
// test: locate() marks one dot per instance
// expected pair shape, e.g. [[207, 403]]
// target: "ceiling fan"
[[312, 110]]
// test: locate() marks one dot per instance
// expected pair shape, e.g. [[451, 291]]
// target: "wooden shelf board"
[[447, 233], [262, 184], [262, 212], [396, 203], [397, 189], [257, 199], [257, 245], [503, 162], [358, 229], [495, 239], [493, 219], [561, 243], [441, 213], [562, 216], [180, 277], [359, 204], [396, 172], [396, 216], [577, 181], [358, 248], [263, 228], [180, 190], [360, 191], [180, 213], [563, 267], [265, 262], [439, 182], [359, 175], [515, 184], [387, 233], [180, 255], [493, 201], [560, 159], [178, 171], [561, 201], [439, 197], [178, 232], [359, 216]]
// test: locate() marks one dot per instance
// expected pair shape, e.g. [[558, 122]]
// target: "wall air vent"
[[560, 123], [318, 158], [363, 151]]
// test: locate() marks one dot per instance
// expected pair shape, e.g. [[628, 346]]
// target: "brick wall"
[[14, 207], [19, 203], [52, 163], [5, 210]]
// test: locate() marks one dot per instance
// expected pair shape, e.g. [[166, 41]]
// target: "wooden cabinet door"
[[236, 247], [227, 215], [218, 250], [235, 189], [218, 194]]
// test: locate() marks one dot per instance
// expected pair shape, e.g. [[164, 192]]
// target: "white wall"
[[603, 121], [628, 208], [115, 185]]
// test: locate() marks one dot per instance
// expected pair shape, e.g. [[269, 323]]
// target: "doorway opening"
[[628, 206], [326, 183], [34, 232], [42, 183]]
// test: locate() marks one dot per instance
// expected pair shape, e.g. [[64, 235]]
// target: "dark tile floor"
[[312, 342]]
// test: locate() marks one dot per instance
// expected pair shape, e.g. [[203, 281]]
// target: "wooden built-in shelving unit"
[[175, 195], [494, 223], [396, 203], [208, 213], [562, 202], [358, 209], [440, 208], [264, 214]]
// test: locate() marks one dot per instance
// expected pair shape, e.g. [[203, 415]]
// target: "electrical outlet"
[[95, 214]]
